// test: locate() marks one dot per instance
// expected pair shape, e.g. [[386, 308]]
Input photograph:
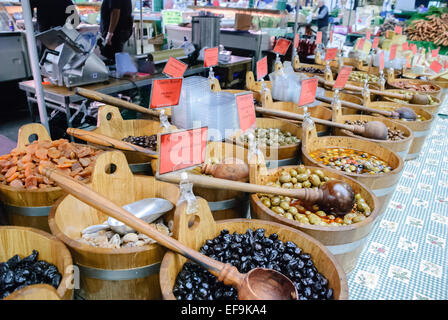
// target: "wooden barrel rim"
[[410, 104], [418, 110], [418, 81]]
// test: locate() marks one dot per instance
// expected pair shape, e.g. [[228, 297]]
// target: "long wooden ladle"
[[372, 129], [257, 284], [412, 98]]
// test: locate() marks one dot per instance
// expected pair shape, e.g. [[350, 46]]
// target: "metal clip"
[[336, 103], [186, 194], [211, 74], [365, 89], [253, 149], [382, 80], [308, 123], [164, 120]]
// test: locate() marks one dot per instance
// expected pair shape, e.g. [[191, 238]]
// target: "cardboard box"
[[243, 22]]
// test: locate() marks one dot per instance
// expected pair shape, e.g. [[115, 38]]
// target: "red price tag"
[[398, 30], [331, 36], [368, 35], [436, 66], [308, 91], [382, 60], [182, 149], [413, 47], [330, 54], [393, 52], [282, 46], [165, 92], [361, 43], [376, 40], [211, 57], [319, 37], [175, 68], [246, 111], [404, 46], [408, 62], [387, 34], [296, 40], [262, 68], [342, 77], [435, 52]]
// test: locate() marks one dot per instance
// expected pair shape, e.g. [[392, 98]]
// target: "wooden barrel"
[[392, 83], [346, 97], [345, 242], [23, 240], [276, 156], [105, 273], [382, 185], [297, 65], [430, 108], [255, 86], [401, 147], [320, 111], [194, 237], [420, 129], [225, 204], [29, 208], [35, 292], [215, 86], [110, 123]]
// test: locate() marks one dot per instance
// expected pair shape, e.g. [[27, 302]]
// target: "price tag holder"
[[398, 30], [211, 57], [342, 78], [165, 92], [319, 37], [361, 43], [330, 54], [393, 52], [382, 60], [262, 68], [175, 68], [435, 52], [181, 149], [436, 66], [246, 110], [376, 40], [308, 91], [281, 47]]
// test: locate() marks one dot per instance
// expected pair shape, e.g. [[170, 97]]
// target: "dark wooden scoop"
[[372, 130], [334, 196], [258, 284], [400, 113]]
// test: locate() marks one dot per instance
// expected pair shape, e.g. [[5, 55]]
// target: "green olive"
[[267, 203], [301, 169], [293, 210], [293, 180], [348, 218], [289, 216], [320, 173], [314, 219], [297, 186], [284, 177], [358, 196], [306, 184], [287, 185], [315, 180], [284, 205], [302, 177], [275, 201], [288, 199], [293, 172], [278, 210], [358, 218]]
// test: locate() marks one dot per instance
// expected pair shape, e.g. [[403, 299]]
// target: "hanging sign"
[[182, 149], [211, 57], [330, 54], [361, 43], [296, 40], [393, 52], [413, 47], [165, 92], [308, 91], [262, 68], [319, 37], [175, 68], [382, 60], [281, 47], [246, 110], [368, 34], [331, 36], [342, 78], [436, 66], [376, 40], [404, 46]]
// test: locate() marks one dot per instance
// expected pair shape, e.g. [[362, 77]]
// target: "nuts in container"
[[149, 142], [392, 134]]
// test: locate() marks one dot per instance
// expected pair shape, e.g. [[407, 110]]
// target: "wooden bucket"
[[35, 292], [194, 237], [430, 108], [319, 111], [255, 86], [345, 242], [382, 185], [346, 97], [420, 129], [22, 241], [297, 65], [392, 83], [29, 208], [225, 204], [105, 273], [280, 156], [215, 86], [401, 147], [110, 123]]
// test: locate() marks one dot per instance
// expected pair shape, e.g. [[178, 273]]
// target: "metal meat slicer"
[[69, 59]]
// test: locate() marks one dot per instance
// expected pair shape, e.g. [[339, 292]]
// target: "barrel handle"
[[109, 119], [250, 80], [27, 131], [214, 84]]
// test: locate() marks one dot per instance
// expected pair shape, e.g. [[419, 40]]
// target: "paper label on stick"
[[404, 46], [211, 57], [175, 68], [342, 78], [398, 30], [408, 62], [436, 66], [308, 91], [361, 43], [368, 35], [296, 40], [393, 52], [319, 37], [376, 40], [262, 68], [435, 52], [281, 47], [246, 111], [165, 92], [330, 54], [413, 47], [382, 60], [182, 149]]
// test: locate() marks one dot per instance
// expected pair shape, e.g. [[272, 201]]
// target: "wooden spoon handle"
[[101, 97], [441, 74], [357, 106], [309, 195], [96, 200], [106, 141]]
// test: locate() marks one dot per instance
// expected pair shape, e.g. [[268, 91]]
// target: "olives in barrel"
[[270, 137]]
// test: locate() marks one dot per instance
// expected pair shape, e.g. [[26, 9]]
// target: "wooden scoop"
[[107, 99], [334, 196], [372, 129], [400, 113], [257, 284], [106, 141], [412, 98]]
